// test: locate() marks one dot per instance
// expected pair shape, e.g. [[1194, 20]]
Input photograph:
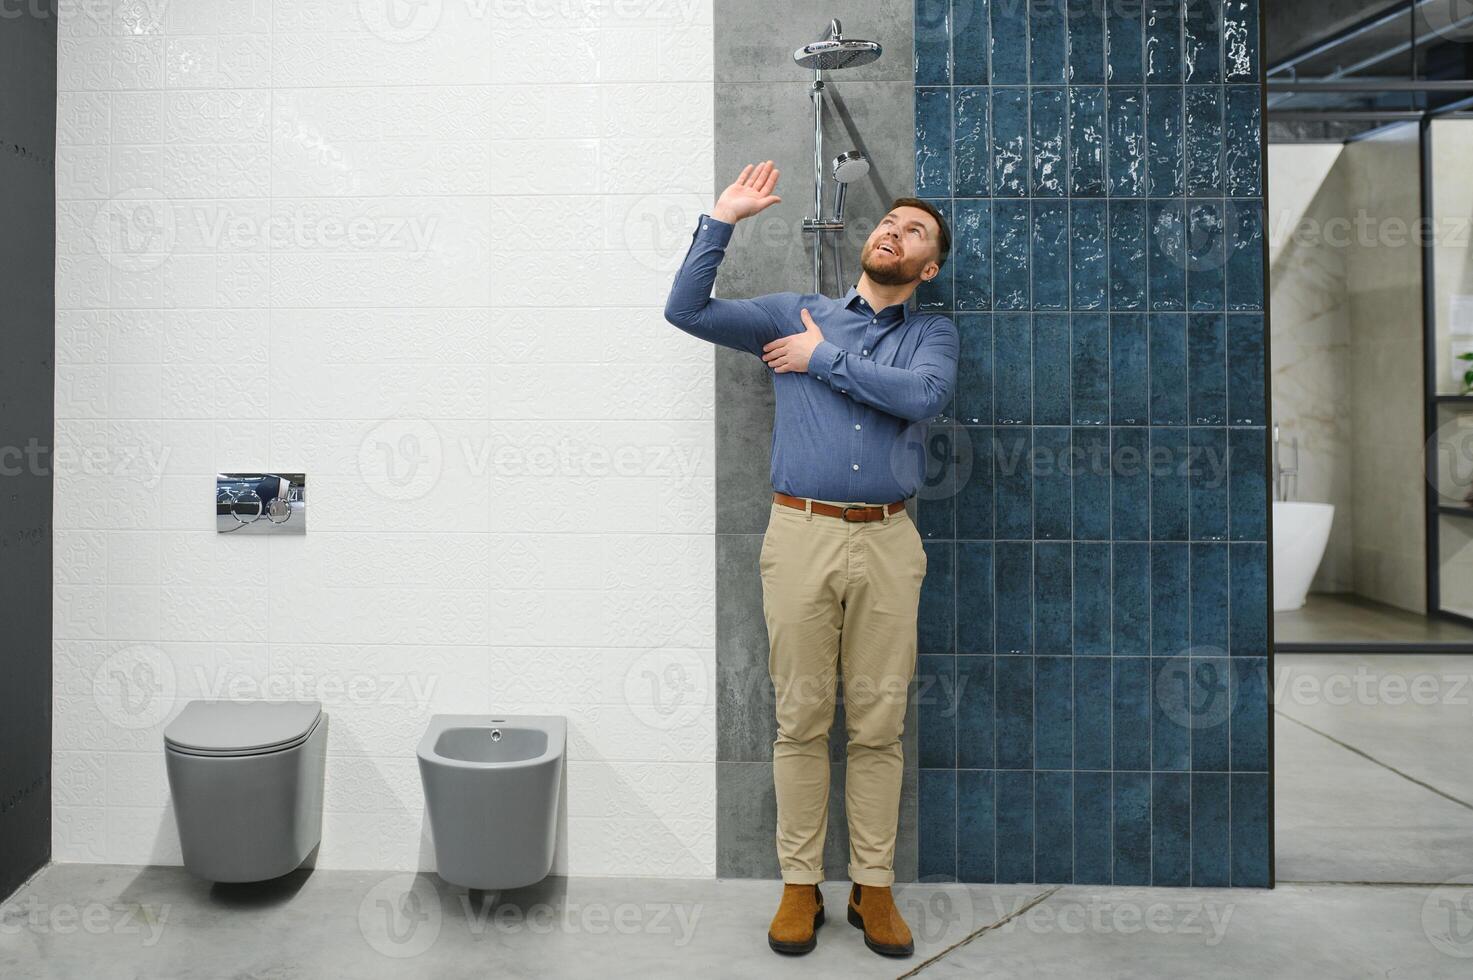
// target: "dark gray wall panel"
[[763, 112], [27, 341]]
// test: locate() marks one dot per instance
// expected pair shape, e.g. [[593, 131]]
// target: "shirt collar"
[[852, 297]]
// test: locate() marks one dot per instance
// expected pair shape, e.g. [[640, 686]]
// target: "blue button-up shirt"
[[852, 428]]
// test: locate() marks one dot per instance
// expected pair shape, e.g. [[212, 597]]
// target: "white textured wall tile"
[[82, 171], [422, 260], [221, 17], [82, 118], [79, 833], [80, 778], [640, 790], [142, 835], [80, 557], [656, 849], [137, 779]]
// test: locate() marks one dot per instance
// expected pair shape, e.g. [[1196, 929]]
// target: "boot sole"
[[857, 921], [798, 949]]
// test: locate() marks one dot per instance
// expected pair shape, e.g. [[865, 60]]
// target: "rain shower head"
[[836, 51]]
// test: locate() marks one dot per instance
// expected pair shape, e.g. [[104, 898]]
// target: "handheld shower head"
[[847, 168], [850, 166], [836, 51]]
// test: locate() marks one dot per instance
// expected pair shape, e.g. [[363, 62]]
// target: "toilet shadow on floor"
[[551, 892], [264, 894]]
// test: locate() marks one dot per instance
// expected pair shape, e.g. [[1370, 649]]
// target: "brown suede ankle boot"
[[872, 909], [795, 927]]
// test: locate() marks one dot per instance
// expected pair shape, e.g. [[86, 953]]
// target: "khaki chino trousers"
[[840, 599]]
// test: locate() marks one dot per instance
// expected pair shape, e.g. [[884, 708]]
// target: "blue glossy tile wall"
[[1094, 637]]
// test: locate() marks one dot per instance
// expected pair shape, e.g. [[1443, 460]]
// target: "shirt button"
[[875, 320], [865, 351], [705, 226], [856, 466], [856, 426]]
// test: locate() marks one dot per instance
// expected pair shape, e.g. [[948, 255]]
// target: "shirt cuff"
[[713, 230], [823, 360]]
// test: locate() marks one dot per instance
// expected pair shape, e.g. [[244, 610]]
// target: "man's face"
[[903, 248]]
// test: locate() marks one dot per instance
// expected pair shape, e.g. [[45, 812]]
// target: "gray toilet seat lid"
[[241, 727]]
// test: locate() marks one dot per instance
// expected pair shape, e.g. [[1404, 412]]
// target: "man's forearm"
[[915, 393], [690, 294], [740, 324]]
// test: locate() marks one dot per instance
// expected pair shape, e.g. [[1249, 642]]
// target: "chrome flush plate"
[[261, 503]]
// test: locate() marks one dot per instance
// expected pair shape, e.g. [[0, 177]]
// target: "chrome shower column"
[[833, 52], [815, 94]]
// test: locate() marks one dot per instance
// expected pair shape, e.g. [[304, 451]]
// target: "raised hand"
[[748, 194]]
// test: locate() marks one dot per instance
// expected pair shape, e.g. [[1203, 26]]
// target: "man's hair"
[[944, 241]]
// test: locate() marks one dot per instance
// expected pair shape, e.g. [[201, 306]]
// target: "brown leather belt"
[[852, 513]]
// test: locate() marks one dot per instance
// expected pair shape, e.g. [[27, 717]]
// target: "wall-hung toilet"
[[246, 780], [491, 787]]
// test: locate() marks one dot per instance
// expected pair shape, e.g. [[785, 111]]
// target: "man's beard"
[[895, 274]]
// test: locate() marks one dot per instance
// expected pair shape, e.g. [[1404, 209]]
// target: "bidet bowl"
[[492, 785]]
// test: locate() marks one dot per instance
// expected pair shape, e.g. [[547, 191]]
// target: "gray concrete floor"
[[1375, 865]]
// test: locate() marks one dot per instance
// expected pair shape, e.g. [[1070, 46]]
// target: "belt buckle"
[[844, 514]]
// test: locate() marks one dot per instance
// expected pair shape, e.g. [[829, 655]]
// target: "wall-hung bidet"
[[246, 780], [491, 788]]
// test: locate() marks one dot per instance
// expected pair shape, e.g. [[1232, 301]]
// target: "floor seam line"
[[1020, 910], [1370, 758], [1374, 884]]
